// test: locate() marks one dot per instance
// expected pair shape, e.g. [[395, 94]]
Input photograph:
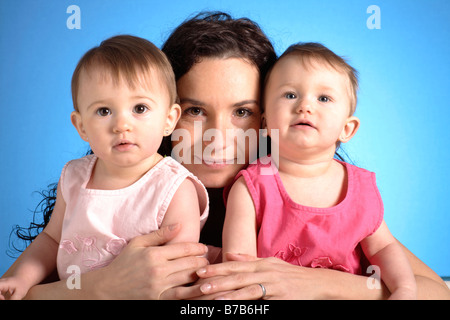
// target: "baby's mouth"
[[304, 122], [124, 145]]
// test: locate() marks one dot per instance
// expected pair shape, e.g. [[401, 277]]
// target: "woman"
[[219, 64]]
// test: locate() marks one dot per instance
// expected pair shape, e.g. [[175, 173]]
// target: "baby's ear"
[[75, 117], [263, 121], [172, 118], [349, 130], [264, 125]]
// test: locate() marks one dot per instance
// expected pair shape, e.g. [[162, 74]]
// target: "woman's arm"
[[240, 278], [282, 280], [143, 270], [429, 284]]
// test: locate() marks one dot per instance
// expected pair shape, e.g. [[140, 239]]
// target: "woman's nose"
[[219, 138], [215, 131]]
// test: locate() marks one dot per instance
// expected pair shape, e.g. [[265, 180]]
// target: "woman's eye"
[[290, 95], [103, 111], [140, 108], [324, 99], [242, 113], [194, 111]]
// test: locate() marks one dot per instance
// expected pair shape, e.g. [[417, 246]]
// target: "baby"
[[313, 210], [124, 97]]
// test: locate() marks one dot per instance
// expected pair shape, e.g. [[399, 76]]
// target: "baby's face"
[[124, 126], [308, 103]]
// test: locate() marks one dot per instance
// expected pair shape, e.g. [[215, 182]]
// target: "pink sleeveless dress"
[[99, 223], [314, 237]]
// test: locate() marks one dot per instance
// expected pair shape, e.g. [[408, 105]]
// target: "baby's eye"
[[324, 99], [140, 108], [290, 95], [242, 113], [103, 111]]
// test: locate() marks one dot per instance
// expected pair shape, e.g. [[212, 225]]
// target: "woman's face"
[[219, 100]]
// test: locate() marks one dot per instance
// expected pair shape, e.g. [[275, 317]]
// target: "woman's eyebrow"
[[192, 101], [245, 102], [201, 104]]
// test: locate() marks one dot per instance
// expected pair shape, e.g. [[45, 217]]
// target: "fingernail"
[[205, 287], [201, 271]]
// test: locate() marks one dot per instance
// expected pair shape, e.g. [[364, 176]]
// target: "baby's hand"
[[12, 288]]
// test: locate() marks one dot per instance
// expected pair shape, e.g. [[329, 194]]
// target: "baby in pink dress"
[[301, 205], [124, 98]]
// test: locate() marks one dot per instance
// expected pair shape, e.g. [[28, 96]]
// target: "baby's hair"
[[126, 57], [315, 51]]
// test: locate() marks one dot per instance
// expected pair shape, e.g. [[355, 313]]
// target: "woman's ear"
[[349, 130], [75, 117], [172, 118]]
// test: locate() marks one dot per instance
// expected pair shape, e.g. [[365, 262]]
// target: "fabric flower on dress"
[[90, 253], [325, 262], [68, 246], [292, 255], [115, 246]]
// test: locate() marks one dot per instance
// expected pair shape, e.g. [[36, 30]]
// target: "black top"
[[211, 233]]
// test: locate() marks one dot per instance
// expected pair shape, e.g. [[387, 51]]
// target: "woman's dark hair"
[[28, 234], [206, 35], [218, 35], [44, 208]]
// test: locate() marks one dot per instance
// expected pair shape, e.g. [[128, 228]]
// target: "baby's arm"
[[38, 260], [184, 209], [383, 250], [239, 231]]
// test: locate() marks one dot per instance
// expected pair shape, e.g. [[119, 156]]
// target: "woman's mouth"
[[213, 162]]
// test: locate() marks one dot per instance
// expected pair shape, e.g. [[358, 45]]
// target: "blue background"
[[404, 100]]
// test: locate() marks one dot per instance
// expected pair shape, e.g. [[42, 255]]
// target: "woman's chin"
[[215, 177]]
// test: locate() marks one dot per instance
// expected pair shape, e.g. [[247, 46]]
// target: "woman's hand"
[[240, 278], [147, 270]]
